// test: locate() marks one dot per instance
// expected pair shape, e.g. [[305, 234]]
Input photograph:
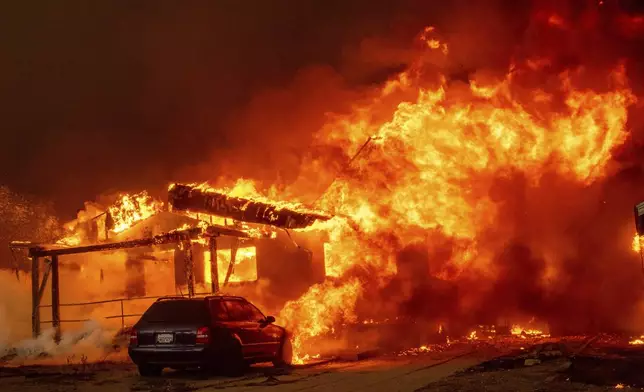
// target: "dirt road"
[[489, 366], [389, 373]]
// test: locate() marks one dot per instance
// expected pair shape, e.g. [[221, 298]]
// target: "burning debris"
[[523, 333], [637, 341]]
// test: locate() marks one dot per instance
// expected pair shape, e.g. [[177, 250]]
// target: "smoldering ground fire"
[[462, 202]]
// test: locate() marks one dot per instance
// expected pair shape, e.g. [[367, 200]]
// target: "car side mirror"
[[270, 319]]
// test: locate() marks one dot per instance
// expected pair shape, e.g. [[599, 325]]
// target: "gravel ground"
[[457, 368], [550, 376], [387, 373]]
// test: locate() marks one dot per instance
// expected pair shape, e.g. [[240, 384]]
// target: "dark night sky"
[[120, 95]]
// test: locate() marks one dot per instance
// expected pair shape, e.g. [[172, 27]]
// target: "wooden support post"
[[214, 270], [233, 256], [55, 297], [35, 303], [122, 316], [189, 265], [43, 283]]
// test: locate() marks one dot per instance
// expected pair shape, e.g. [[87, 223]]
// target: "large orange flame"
[[431, 163], [317, 311], [130, 209]]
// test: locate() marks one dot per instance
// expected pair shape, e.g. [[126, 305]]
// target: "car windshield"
[[184, 311]]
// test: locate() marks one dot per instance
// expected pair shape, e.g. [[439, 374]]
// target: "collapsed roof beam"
[[189, 198]]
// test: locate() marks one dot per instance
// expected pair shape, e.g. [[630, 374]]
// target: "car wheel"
[[150, 370], [285, 354]]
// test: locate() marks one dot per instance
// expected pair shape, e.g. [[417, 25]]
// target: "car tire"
[[146, 370], [285, 354]]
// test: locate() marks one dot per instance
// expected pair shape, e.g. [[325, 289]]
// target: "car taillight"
[[203, 335], [134, 337]]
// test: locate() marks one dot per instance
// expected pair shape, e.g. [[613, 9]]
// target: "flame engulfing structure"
[[127, 210], [130, 209], [450, 169], [480, 183], [317, 312]]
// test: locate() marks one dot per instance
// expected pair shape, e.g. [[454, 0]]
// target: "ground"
[[460, 367]]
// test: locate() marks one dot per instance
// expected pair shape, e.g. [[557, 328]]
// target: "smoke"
[[91, 340], [15, 307], [88, 344], [567, 259]]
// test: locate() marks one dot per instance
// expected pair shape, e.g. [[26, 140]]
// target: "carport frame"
[[52, 252]]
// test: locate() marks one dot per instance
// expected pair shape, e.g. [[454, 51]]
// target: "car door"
[[242, 324], [221, 323], [269, 334]]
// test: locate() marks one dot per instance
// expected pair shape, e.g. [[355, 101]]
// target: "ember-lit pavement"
[[441, 370]]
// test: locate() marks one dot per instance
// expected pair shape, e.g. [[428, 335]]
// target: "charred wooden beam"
[[186, 197], [161, 239], [216, 231]]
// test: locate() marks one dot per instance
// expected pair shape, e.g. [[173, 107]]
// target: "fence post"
[[55, 297], [35, 303], [122, 316]]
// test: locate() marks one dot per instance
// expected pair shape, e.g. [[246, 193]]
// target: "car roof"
[[179, 298]]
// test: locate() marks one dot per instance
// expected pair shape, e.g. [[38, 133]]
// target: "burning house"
[[194, 239]]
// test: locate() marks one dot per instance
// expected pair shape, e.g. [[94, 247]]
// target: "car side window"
[[236, 310], [252, 312], [218, 310], [243, 311]]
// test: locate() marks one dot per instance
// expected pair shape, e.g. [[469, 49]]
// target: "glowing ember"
[[415, 351], [472, 336], [523, 332], [305, 359], [130, 209], [637, 341], [637, 243]]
